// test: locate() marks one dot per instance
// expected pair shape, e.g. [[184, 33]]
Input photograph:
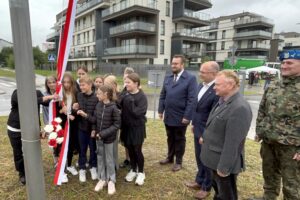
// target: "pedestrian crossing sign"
[[51, 57]]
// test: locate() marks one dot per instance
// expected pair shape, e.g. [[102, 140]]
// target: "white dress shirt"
[[178, 76], [204, 89]]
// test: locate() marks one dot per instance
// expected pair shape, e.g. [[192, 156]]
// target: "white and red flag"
[[62, 59]]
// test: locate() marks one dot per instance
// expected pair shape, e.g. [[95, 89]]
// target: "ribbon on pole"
[[62, 58]]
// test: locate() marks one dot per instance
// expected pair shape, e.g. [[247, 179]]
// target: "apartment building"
[[83, 49], [250, 33], [135, 31]]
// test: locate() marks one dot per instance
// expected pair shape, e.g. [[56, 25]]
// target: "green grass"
[[160, 183], [7, 73]]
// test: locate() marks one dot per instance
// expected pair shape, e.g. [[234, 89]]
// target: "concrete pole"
[[27, 99]]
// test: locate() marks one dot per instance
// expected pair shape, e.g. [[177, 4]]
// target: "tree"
[[4, 55], [10, 61], [39, 57]]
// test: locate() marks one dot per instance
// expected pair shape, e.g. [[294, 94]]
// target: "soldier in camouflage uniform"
[[278, 126]]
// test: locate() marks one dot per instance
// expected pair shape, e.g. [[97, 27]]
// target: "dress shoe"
[[201, 194], [176, 167], [193, 185], [165, 161]]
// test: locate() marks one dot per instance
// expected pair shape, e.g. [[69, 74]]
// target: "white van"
[[275, 65]]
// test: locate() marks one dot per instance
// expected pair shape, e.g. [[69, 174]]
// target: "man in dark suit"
[[176, 104], [206, 100], [224, 136]]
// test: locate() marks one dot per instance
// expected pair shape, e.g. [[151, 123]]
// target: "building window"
[[124, 61], [151, 61], [223, 45], [166, 61], [162, 46], [162, 27], [223, 34], [168, 8]]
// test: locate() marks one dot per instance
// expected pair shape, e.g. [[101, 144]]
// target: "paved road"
[[7, 86]]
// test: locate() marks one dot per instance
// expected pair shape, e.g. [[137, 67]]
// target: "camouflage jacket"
[[278, 119]]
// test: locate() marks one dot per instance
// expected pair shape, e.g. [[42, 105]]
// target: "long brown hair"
[[72, 89], [46, 83]]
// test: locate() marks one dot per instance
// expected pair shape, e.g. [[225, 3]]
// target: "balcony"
[[77, 55], [191, 35], [255, 47], [130, 8], [254, 22], [89, 4], [197, 19], [259, 34], [193, 53], [279, 37], [136, 51], [198, 4], [136, 27], [51, 36], [83, 27]]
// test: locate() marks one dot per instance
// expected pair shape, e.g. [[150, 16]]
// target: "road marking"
[[253, 101], [8, 85]]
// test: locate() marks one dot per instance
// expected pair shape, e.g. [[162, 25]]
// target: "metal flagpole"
[[28, 110]]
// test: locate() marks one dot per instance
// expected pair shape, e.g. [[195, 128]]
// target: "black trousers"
[[225, 187], [16, 144], [136, 157], [176, 142]]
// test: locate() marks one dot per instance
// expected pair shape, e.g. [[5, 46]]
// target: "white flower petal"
[[48, 128], [59, 140], [58, 120], [52, 135], [58, 128]]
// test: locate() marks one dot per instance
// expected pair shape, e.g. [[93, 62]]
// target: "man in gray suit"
[[224, 137]]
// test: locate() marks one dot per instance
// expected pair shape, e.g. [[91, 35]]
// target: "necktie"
[[175, 78]]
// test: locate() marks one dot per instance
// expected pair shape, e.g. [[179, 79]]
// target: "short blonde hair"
[[86, 80], [231, 76]]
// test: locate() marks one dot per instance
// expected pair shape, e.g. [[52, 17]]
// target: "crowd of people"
[[219, 115]]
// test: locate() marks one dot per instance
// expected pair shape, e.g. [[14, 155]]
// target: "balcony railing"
[[130, 49], [253, 33], [82, 55], [279, 37], [191, 51], [252, 20], [52, 35], [256, 46], [84, 26], [127, 4], [84, 6], [196, 15], [191, 33], [133, 26]]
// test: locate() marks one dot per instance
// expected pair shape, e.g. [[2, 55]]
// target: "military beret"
[[290, 54]]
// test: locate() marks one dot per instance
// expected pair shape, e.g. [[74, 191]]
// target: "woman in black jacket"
[[134, 107], [14, 130]]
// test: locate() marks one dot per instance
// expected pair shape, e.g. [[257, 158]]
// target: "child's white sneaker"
[[111, 188], [140, 179], [72, 170], [100, 185], [94, 174], [64, 178], [130, 176], [82, 175]]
